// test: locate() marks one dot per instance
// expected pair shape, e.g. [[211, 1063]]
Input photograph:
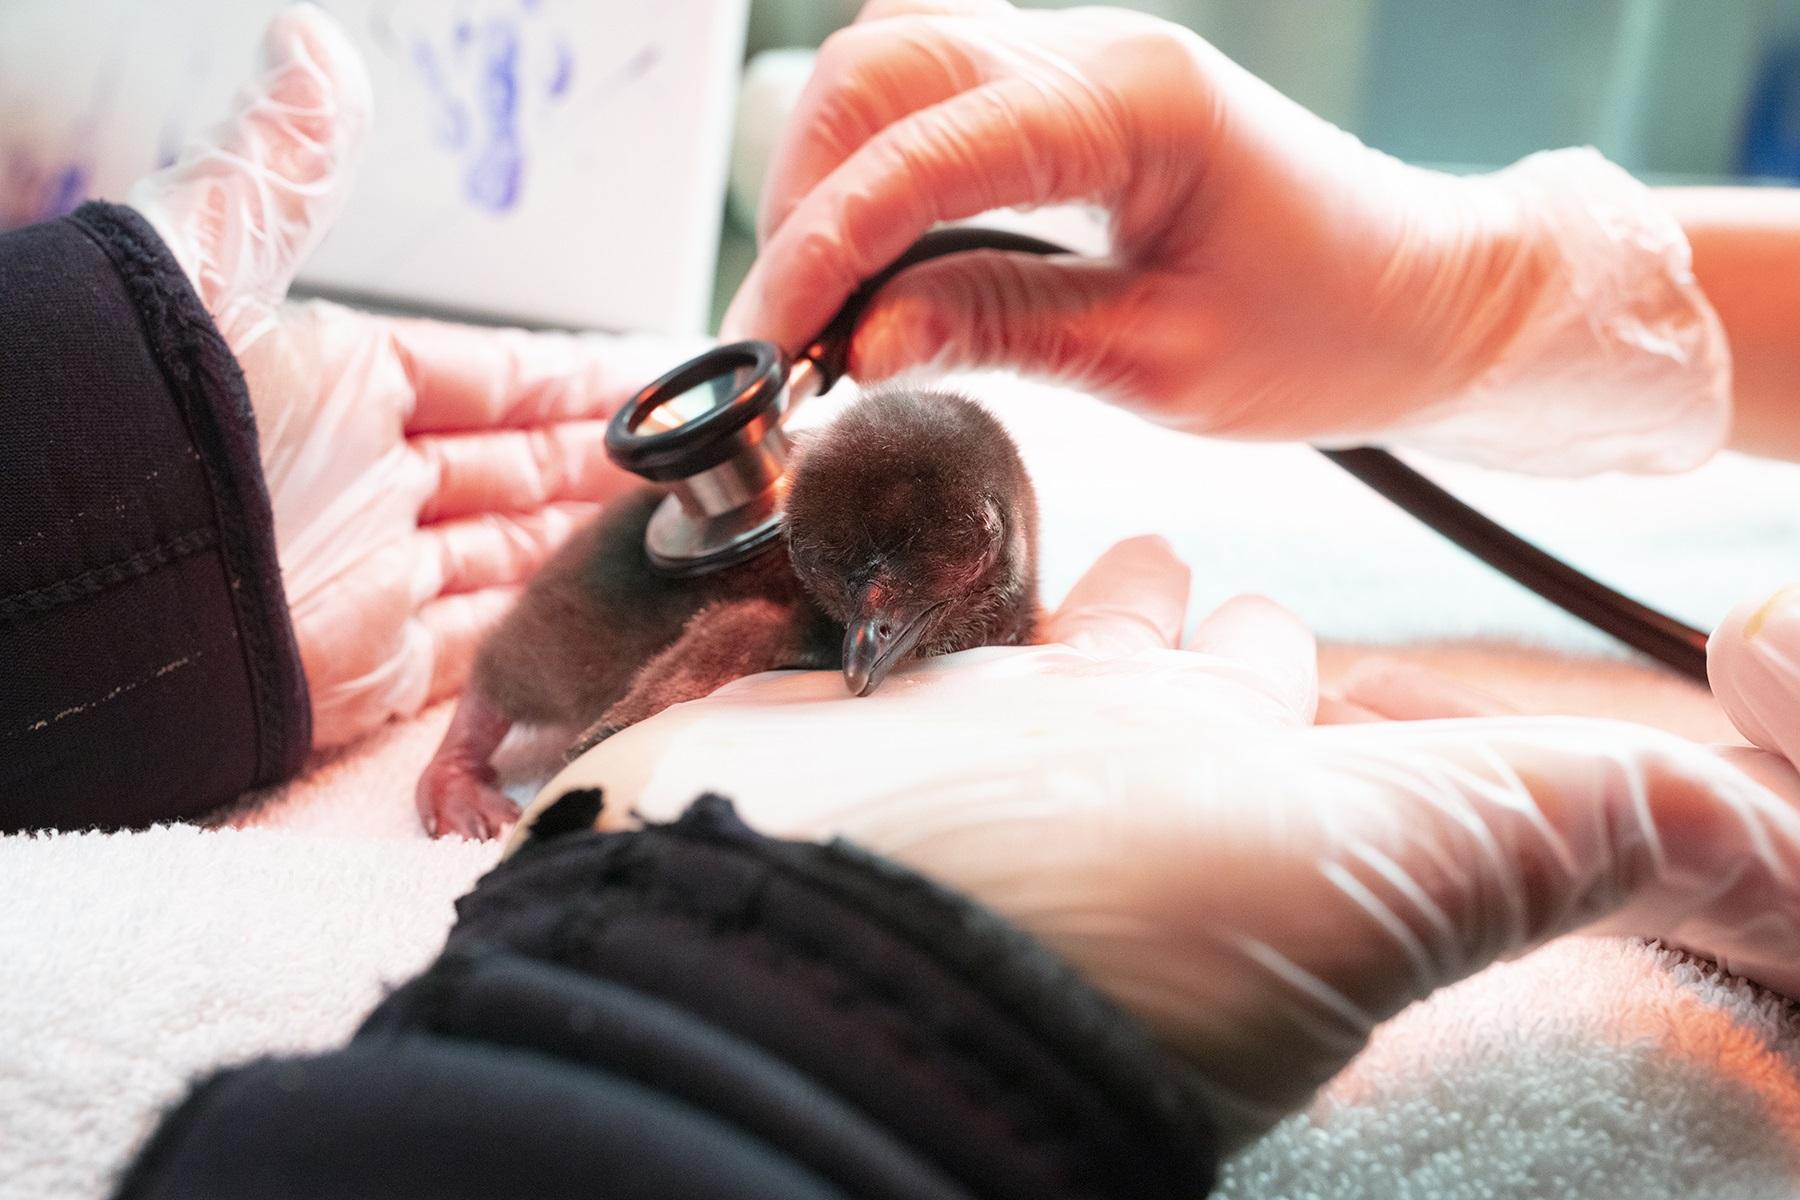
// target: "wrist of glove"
[[1610, 358]]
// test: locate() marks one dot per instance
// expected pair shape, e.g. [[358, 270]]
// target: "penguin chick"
[[911, 531], [913, 524]]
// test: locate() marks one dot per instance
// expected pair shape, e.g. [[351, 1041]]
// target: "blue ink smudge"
[[69, 190], [563, 74], [493, 178], [30, 193], [452, 117]]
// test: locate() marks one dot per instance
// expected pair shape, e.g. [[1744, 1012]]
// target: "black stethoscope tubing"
[[1679, 647]]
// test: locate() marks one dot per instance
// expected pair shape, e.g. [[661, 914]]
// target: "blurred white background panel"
[[545, 161]]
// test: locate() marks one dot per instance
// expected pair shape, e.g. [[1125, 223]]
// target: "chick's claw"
[[454, 800], [459, 791]]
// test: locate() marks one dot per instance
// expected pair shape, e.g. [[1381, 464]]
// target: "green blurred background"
[[1658, 85]]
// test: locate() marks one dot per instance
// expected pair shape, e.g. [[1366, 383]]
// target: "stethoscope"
[[711, 431]]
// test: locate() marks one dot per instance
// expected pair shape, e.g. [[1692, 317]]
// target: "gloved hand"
[[1753, 664], [1262, 891], [419, 471], [1270, 276]]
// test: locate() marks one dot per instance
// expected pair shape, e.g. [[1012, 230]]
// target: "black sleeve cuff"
[[697, 1011], [150, 668]]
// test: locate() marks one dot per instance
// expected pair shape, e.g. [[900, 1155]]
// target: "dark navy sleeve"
[[147, 665], [696, 1012]]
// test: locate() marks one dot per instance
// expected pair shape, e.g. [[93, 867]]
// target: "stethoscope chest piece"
[[710, 430]]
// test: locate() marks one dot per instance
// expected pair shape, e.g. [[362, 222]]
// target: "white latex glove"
[[420, 471], [1262, 891], [1753, 664], [1270, 276]]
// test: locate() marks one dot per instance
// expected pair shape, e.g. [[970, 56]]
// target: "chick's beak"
[[876, 639]]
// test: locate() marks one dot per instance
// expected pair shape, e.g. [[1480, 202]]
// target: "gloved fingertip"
[[1134, 567], [1776, 619], [1249, 611], [337, 81], [1753, 665], [1148, 556], [1147, 546], [1133, 597], [1274, 644]]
